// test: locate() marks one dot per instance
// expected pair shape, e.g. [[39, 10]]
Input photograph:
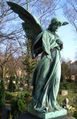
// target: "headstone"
[[64, 92], [66, 103]]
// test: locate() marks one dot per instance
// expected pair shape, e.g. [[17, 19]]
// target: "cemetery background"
[[16, 64]]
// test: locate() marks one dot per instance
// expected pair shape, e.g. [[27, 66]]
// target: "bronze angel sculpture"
[[47, 74]]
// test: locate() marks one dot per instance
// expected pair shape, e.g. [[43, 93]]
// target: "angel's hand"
[[60, 43], [61, 46]]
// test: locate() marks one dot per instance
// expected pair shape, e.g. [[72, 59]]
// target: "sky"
[[69, 37]]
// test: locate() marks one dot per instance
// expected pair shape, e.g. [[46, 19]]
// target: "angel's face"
[[54, 28]]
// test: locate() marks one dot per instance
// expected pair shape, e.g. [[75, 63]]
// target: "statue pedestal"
[[54, 114], [27, 115], [47, 115]]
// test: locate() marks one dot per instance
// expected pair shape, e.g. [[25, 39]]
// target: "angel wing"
[[30, 25]]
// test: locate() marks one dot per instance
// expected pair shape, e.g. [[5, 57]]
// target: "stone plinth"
[[47, 115], [27, 115]]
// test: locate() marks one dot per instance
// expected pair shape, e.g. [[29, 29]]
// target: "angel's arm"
[[60, 43]]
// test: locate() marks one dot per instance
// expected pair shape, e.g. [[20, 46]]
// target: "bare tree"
[[12, 36], [70, 11]]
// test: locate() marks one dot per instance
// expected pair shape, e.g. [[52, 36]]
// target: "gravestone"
[[64, 92]]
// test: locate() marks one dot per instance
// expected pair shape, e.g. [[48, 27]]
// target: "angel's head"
[[55, 24]]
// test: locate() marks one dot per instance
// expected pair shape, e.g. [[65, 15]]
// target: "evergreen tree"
[[29, 64]]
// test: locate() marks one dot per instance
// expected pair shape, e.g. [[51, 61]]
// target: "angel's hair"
[[54, 22]]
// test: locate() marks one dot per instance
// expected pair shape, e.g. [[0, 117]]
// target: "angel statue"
[[47, 74]]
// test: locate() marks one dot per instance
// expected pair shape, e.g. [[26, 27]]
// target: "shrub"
[[9, 96], [18, 105], [2, 94], [75, 114]]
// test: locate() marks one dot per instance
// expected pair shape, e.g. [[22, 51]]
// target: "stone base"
[[47, 115], [27, 115], [51, 115]]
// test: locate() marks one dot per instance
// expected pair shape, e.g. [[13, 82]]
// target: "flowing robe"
[[46, 76]]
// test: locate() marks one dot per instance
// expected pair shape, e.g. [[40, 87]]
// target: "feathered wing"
[[30, 24]]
